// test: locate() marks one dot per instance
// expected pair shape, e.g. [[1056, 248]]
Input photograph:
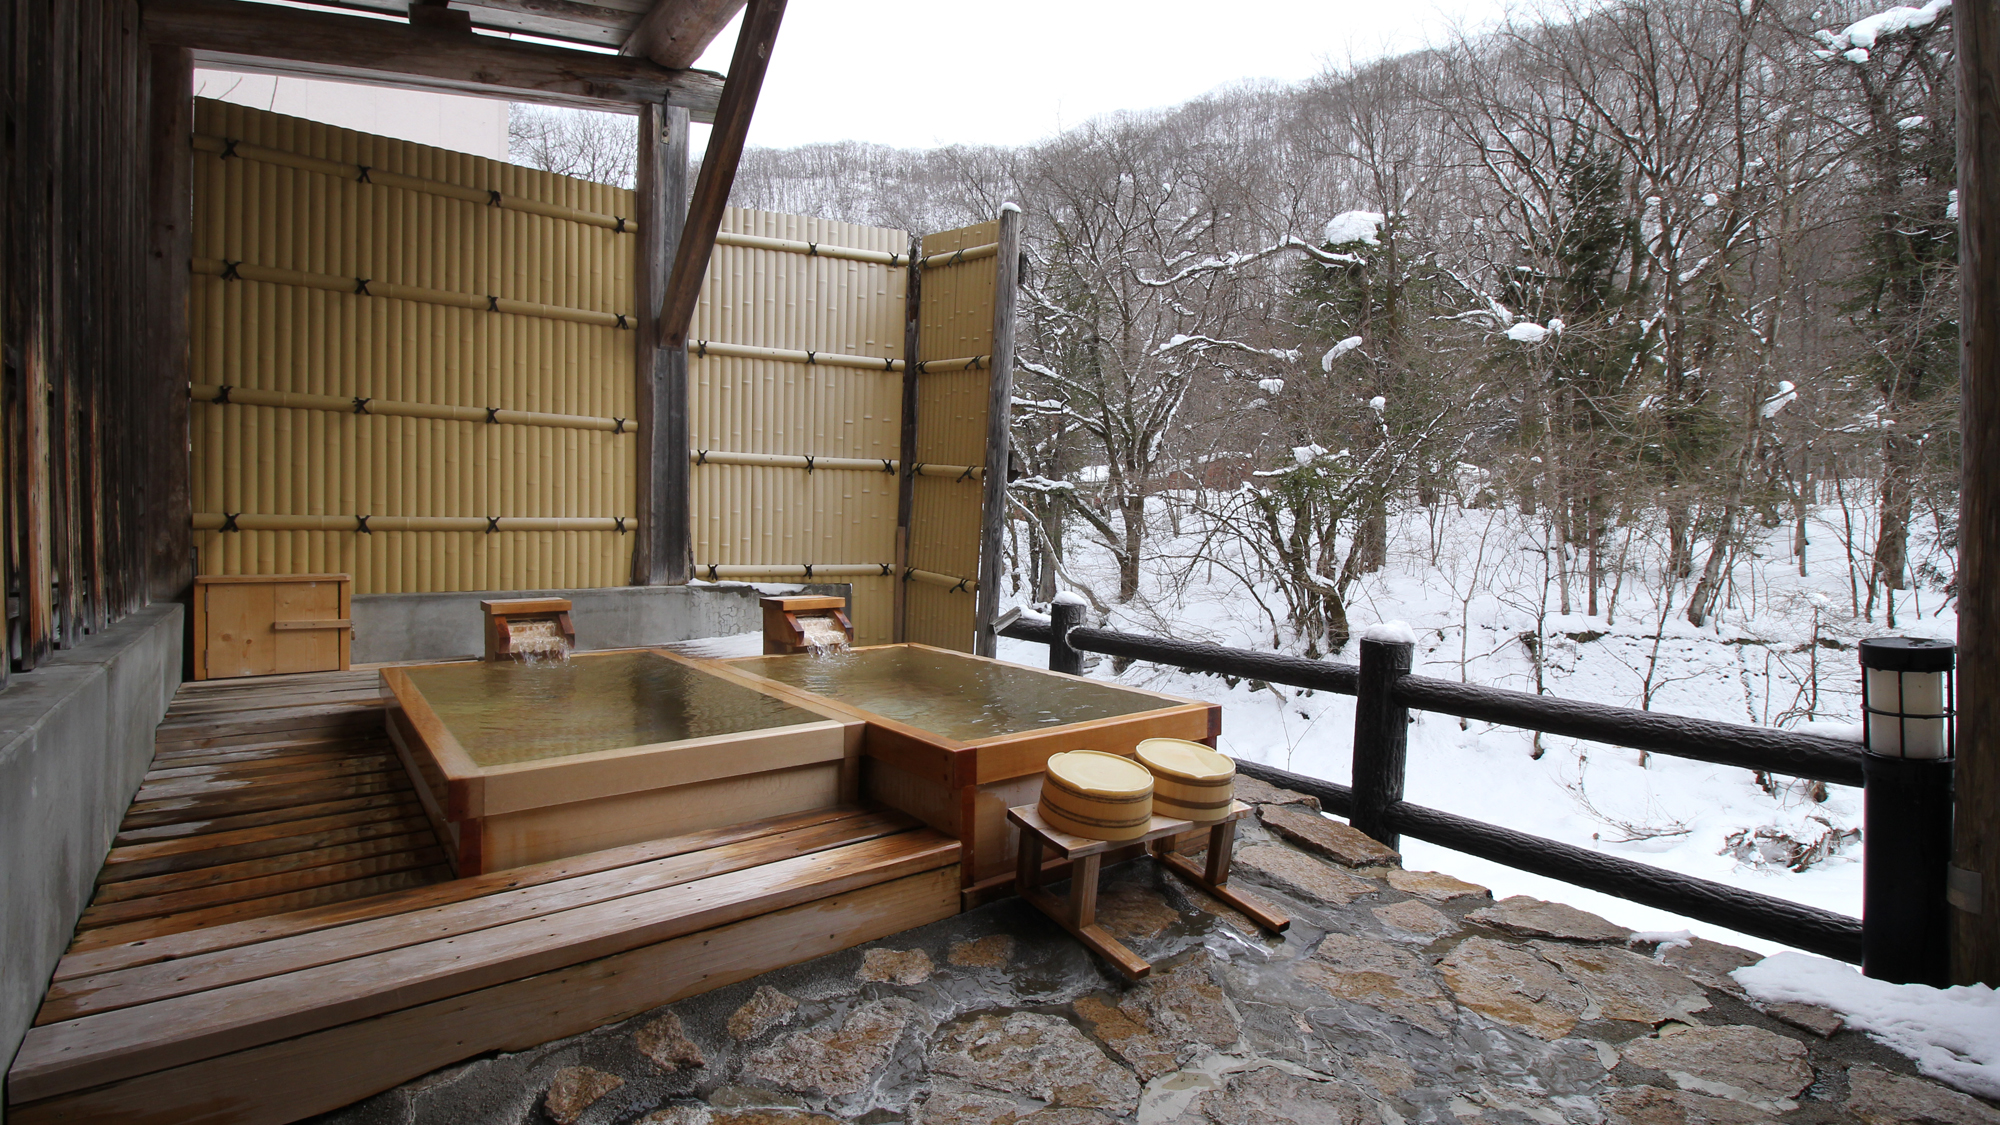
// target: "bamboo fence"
[[956, 319], [416, 367], [472, 314]]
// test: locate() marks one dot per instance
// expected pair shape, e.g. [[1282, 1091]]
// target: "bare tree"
[[600, 147]]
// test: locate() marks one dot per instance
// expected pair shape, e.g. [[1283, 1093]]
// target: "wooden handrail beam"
[[266, 39]]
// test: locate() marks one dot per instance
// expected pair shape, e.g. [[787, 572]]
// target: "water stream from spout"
[[823, 636], [538, 642]]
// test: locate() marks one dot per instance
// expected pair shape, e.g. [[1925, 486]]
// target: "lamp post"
[[1907, 705]]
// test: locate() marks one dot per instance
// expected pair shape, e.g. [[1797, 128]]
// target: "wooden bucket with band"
[[1190, 781], [1096, 795]]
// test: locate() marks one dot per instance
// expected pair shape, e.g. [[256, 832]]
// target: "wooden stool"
[[1086, 856]]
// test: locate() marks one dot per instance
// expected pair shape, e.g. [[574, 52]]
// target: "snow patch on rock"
[[1952, 1033]]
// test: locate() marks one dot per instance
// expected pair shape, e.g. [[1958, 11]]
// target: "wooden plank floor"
[[275, 933], [265, 796]]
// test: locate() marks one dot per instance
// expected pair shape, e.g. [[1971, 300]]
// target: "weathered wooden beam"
[[663, 554], [675, 32], [1974, 880], [169, 242], [265, 39], [574, 21], [718, 167], [999, 403]]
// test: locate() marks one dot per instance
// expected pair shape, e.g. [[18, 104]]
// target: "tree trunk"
[[1702, 602], [1373, 532], [1892, 544], [1132, 507], [1802, 496], [1680, 540]]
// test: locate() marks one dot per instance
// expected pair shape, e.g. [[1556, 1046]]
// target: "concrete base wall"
[[76, 737], [392, 627]]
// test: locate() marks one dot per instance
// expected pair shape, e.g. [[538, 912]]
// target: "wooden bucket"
[[1096, 795], [1190, 781]]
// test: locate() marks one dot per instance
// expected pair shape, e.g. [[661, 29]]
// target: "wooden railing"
[[1385, 692]]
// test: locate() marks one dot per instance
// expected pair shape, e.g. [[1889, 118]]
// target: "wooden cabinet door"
[[270, 626], [240, 639], [307, 650]]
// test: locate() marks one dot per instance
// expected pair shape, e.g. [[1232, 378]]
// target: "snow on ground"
[[1478, 588], [1952, 1033]]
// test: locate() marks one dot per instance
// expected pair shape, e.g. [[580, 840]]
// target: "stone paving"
[[1397, 998]]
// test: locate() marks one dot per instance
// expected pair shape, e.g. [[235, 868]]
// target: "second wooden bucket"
[[1190, 781]]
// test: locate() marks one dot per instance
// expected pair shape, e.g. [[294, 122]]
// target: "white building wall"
[[474, 125]]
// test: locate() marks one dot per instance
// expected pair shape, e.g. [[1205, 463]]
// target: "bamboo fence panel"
[[756, 412], [424, 233], [956, 319], [415, 370]]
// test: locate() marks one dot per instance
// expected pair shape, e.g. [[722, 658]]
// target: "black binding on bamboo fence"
[[1385, 693]]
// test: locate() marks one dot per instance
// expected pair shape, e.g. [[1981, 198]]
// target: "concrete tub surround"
[[396, 627], [76, 736]]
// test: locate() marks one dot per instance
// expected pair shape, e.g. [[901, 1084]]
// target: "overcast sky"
[[1011, 73]]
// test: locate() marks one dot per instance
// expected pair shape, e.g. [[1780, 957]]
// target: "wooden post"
[[29, 271], [999, 405], [1065, 613], [663, 554], [1381, 736], [906, 484], [754, 41], [1973, 882], [169, 241]]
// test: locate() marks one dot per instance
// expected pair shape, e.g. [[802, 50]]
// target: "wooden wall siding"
[[956, 320], [85, 439], [288, 462], [784, 516]]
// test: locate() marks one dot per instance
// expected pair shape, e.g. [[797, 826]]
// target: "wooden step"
[[416, 836], [166, 925], [71, 1055], [404, 800], [283, 1081], [103, 913], [220, 704], [223, 779], [106, 958], [280, 798], [260, 724], [138, 861], [71, 999], [278, 751]]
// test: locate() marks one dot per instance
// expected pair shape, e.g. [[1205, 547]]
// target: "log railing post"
[[1906, 817], [1381, 736], [1065, 613]]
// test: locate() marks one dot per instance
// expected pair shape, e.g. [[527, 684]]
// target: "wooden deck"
[[274, 933]]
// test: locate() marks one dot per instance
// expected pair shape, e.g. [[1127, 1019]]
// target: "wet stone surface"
[[1397, 998]]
